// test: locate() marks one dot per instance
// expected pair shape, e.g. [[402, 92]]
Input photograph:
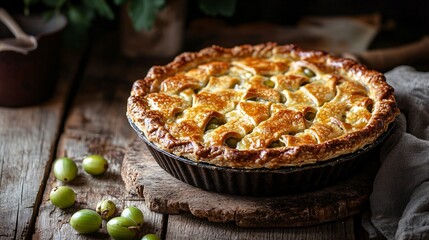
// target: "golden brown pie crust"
[[262, 106]]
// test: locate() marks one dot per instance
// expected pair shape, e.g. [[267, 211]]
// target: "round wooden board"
[[165, 194]]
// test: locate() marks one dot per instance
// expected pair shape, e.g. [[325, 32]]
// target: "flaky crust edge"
[[152, 124]]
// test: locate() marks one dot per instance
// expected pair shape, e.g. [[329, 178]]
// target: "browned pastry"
[[262, 106]]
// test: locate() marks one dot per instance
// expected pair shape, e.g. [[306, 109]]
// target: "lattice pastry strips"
[[261, 106]]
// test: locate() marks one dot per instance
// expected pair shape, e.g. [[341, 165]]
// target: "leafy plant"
[[81, 13]]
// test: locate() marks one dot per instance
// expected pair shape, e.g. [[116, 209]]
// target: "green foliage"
[[119, 2], [218, 7], [100, 7], [81, 13], [80, 16], [143, 12]]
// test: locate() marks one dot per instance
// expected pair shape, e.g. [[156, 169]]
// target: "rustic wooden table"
[[87, 116]]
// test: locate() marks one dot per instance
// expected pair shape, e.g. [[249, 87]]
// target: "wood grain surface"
[[32, 135], [182, 226], [28, 136], [96, 124], [165, 194]]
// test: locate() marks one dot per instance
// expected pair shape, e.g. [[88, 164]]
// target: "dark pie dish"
[[262, 182], [263, 119]]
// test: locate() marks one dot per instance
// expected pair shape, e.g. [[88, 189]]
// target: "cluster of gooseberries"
[[126, 226], [65, 170]]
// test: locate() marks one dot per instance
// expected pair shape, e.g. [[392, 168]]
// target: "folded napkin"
[[400, 199]]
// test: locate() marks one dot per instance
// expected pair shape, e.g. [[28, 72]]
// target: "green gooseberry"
[[65, 169], [150, 236], [95, 164], [309, 73], [134, 214], [231, 142], [62, 197], [106, 208], [122, 228], [86, 221], [269, 83]]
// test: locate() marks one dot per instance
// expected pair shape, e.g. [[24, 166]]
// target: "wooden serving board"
[[165, 194]]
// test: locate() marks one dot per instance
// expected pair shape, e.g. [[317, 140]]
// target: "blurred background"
[[400, 21], [164, 28]]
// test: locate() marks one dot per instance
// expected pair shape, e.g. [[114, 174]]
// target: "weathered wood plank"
[[27, 140], [52, 222], [185, 225], [96, 125], [165, 194]]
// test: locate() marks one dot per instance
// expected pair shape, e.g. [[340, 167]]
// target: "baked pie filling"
[[262, 106]]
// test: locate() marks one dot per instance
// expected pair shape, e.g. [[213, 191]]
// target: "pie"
[[261, 106]]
